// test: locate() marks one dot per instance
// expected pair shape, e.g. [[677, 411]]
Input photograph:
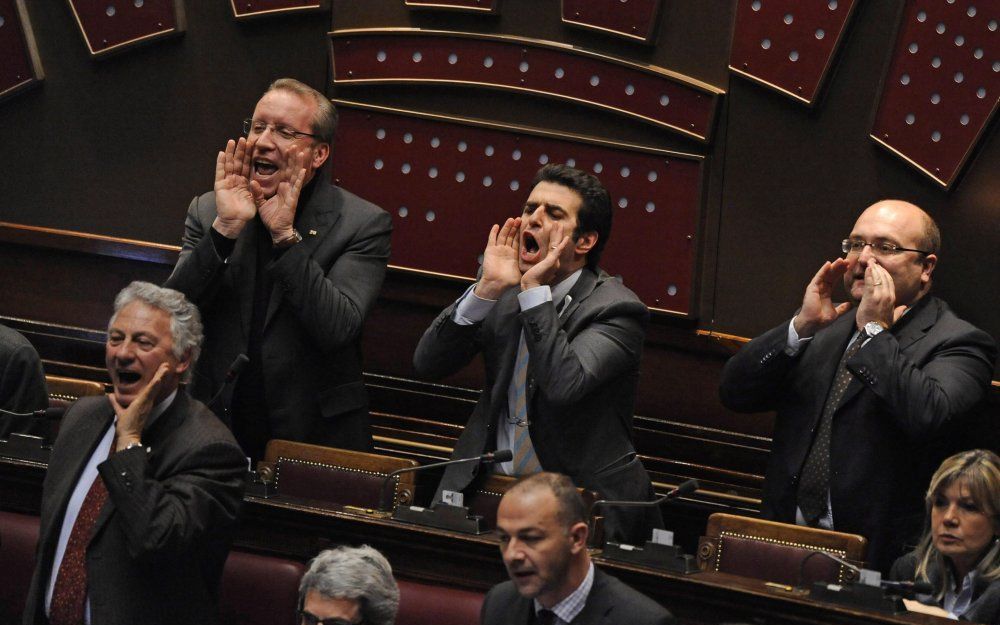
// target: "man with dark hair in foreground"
[[542, 523], [143, 486], [561, 342], [867, 391]]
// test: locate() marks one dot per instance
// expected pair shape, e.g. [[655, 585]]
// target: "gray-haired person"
[[143, 486], [348, 586]]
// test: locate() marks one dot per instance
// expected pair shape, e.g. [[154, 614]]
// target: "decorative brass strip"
[[775, 541], [405, 443], [318, 6]]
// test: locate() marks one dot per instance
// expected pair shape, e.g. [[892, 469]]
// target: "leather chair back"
[[18, 540], [259, 590], [336, 476], [775, 551], [430, 604]]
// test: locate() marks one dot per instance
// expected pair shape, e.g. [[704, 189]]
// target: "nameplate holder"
[[858, 596], [652, 554], [442, 516]]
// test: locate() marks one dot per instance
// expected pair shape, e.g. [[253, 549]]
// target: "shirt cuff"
[[471, 308], [794, 343], [534, 297]]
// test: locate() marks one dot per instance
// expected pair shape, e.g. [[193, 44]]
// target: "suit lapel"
[[318, 218], [599, 604], [87, 434]]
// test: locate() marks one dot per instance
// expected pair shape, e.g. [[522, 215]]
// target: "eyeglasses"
[[308, 618], [854, 246], [284, 133]]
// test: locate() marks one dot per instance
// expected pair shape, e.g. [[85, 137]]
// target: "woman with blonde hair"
[[959, 553]]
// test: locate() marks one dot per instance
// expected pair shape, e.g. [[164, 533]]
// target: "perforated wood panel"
[[788, 45], [113, 25], [632, 19], [943, 85], [446, 181], [269, 8], [475, 6], [20, 67], [654, 95]]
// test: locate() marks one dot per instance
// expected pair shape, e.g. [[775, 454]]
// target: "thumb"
[[897, 312], [114, 404]]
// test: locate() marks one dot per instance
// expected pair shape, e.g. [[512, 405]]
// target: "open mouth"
[[128, 377], [530, 250], [264, 168]]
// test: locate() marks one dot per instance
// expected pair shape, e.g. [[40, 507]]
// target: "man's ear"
[[183, 363], [320, 153], [929, 262], [585, 242], [578, 534]]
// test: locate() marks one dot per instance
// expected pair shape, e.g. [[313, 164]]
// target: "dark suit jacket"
[[323, 288], [22, 383], [160, 542], [610, 602], [582, 373], [913, 385], [985, 606]]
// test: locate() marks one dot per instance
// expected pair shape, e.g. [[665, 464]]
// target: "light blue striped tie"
[[525, 460]]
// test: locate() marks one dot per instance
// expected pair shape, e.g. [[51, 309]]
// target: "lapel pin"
[[312, 232]]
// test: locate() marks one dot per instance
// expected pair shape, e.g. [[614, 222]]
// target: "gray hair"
[[324, 125], [185, 320], [359, 573]]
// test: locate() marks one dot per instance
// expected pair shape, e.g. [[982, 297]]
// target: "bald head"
[[907, 218]]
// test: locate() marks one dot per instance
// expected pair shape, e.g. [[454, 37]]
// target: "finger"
[[897, 312], [491, 239], [821, 279], [248, 158], [257, 192], [114, 404], [842, 308], [839, 267], [220, 166], [239, 155], [230, 151], [506, 233]]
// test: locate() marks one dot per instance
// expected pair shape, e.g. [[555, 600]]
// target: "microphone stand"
[[441, 515], [653, 554], [30, 447], [867, 593]]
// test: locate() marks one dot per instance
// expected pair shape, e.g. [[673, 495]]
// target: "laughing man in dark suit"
[[143, 486]]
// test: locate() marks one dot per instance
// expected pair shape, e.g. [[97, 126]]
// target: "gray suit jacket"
[[582, 375], [324, 287], [610, 602], [912, 387], [161, 539], [985, 606], [22, 383]]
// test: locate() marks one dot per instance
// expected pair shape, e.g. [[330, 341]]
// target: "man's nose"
[[536, 216]]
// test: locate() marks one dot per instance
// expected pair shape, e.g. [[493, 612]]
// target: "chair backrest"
[[430, 604], [337, 476], [775, 551], [18, 539], [259, 590], [65, 391]]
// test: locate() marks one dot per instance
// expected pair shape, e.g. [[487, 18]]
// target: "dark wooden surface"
[[298, 530]]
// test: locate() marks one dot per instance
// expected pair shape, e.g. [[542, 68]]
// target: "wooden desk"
[[299, 529]]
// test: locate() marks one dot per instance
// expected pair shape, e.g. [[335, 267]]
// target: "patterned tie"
[[525, 460], [815, 483], [69, 595]]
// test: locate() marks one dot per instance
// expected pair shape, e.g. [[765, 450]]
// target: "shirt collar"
[[561, 290], [570, 607]]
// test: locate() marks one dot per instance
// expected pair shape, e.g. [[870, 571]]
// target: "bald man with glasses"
[[284, 267], [866, 391]]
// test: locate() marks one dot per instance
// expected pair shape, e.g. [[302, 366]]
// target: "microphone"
[[503, 455], [48, 414], [683, 490], [231, 375], [915, 587]]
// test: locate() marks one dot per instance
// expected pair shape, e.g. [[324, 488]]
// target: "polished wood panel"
[[21, 66]]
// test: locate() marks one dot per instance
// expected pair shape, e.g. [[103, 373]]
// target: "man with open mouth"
[[870, 392], [561, 341], [143, 486], [285, 267]]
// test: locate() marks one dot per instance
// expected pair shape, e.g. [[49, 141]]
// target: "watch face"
[[872, 328]]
